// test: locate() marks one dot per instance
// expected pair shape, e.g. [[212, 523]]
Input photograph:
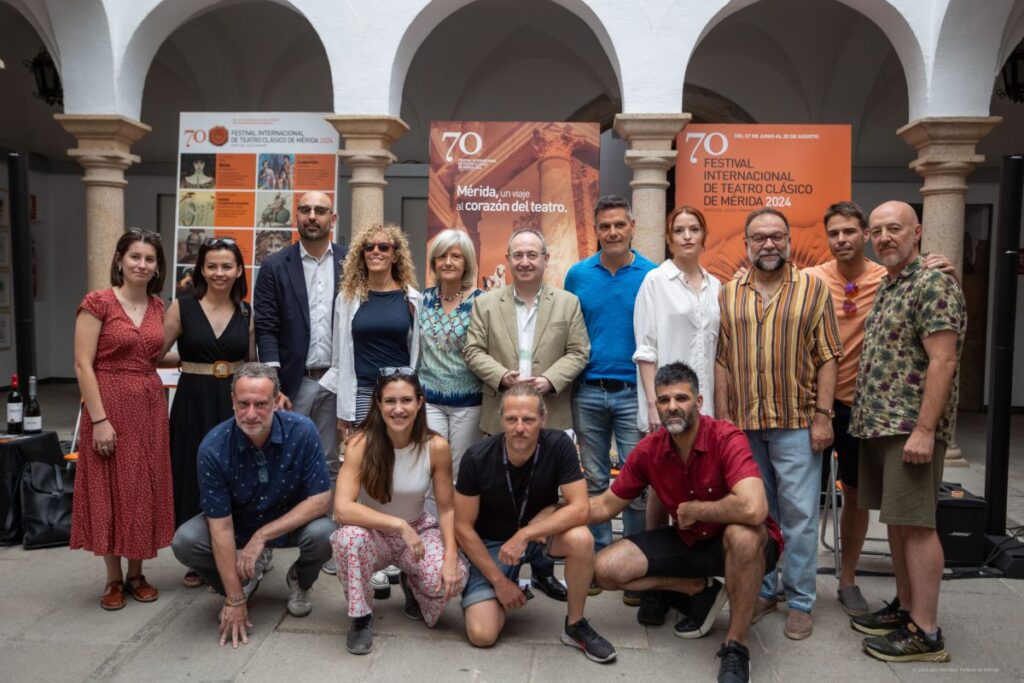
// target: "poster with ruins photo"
[[490, 178]]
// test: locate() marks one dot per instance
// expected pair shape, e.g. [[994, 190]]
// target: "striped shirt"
[[772, 350]]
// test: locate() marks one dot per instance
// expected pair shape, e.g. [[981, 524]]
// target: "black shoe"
[[653, 608], [359, 640], [582, 635], [735, 666], [551, 587], [705, 607], [632, 598], [412, 608], [883, 621], [908, 643]]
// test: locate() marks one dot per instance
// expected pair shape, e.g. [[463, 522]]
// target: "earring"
[[120, 271]]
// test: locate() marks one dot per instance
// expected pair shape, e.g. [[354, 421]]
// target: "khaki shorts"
[[906, 494]]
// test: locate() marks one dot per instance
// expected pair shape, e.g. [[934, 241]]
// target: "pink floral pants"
[[359, 552]]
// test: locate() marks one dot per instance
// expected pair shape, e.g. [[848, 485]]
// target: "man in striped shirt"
[[775, 376]]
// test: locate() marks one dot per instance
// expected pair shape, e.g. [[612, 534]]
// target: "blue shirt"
[[444, 373], [229, 477], [607, 301]]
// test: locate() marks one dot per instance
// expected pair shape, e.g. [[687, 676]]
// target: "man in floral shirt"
[[904, 410]]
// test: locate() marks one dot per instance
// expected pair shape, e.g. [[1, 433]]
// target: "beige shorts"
[[906, 494]]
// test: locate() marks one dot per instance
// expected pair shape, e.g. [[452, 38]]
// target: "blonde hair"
[[356, 280], [445, 241]]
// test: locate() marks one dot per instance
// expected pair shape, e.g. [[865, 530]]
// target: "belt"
[[611, 385], [221, 369], [315, 373]]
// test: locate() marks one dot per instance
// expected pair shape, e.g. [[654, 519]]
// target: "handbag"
[[45, 505]]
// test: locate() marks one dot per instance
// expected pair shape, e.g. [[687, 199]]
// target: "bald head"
[[895, 234], [902, 209], [314, 219]]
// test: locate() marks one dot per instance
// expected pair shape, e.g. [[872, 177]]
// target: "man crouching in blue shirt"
[[263, 483]]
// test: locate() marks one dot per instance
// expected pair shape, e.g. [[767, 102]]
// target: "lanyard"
[[519, 509]]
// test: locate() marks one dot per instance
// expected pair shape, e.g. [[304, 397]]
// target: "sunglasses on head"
[[143, 233], [219, 242], [382, 247], [305, 210], [400, 371]]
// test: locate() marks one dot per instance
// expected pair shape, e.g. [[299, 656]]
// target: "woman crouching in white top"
[[389, 465]]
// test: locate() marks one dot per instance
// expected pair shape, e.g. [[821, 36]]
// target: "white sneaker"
[[299, 604], [252, 584], [381, 585], [268, 559], [394, 573], [330, 567]]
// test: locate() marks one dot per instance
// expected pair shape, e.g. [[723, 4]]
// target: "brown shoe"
[[763, 607], [137, 587], [113, 596], [799, 624], [192, 580]]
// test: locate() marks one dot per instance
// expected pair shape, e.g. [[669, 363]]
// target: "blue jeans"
[[596, 414], [792, 481], [478, 588]]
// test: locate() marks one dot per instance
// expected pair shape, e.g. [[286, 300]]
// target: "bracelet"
[[235, 602], [100, 421]]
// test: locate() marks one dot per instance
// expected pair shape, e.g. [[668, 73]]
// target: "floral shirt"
[[918, 302], [443, 372]]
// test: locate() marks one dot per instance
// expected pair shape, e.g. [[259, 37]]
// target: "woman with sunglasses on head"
[[391, 463], [123, 504], [214, 331]]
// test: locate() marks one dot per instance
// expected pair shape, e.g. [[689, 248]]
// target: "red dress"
[[124, 504]]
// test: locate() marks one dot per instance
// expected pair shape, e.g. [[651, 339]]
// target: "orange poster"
[[236, 171], [728, 170], [234, 209], [314, 171], [489, 178]]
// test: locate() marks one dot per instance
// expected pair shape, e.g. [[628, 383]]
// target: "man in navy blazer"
[[293, 300]]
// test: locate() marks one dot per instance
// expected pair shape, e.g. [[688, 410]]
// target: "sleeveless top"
[[410, 482]]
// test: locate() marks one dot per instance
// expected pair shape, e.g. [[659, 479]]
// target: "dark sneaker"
[[653, 608], [632, 598], [551, 587], [381, 585], [359, 640], [393, 573], [705, 607], [412, 608], [908, 643], [735, 665], [583, 636], [882, 621]]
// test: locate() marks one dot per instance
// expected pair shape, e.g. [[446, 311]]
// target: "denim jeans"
[[596, 414], [792, 481]]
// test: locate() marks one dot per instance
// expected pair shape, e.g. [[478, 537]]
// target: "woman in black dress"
[[214, 332]]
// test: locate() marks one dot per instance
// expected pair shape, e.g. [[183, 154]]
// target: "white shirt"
[[671, 323], [526, 321], [319, 274]]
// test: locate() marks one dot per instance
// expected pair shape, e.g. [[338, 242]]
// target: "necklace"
[[454, 297]]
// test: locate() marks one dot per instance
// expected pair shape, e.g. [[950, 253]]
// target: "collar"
[[700, 442], [791, 275], [597, 263], [305, 254], [673, 270], [518, 300], [276, 434], [913, 266]]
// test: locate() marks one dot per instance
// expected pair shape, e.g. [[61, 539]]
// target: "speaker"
[[960, 523], [1008, 555]]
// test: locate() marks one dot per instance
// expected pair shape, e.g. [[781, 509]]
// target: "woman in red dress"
[[123, 503]]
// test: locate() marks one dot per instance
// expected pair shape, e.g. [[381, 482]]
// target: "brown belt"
[[221, 369]]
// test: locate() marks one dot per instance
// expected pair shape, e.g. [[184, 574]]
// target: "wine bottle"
[[33, 414], [14, 408]]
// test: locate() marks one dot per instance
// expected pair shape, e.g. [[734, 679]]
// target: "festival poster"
[[729, 170], [241, 175], [490, 178]]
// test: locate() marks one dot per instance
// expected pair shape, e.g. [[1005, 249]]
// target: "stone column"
[[650, 155], [945, 156], [367, 151], [104, 144], [555, 145]]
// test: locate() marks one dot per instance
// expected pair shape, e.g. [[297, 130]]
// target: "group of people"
[[455, 413]]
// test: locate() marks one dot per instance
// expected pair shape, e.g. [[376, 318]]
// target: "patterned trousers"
[[359, 552]]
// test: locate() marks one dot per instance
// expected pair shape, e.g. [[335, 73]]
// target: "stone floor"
[[51, 628]]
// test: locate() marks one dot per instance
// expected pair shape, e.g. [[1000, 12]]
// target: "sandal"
[[138, 588], [113, 596], [192, 579]]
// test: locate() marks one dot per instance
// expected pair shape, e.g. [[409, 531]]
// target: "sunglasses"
[[318, 210], [851, 289], [149, 234], [261, 461], [382, 247], [400, 371], [219, 242]]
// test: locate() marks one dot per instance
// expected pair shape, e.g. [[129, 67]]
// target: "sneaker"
[[250, 586], [299, 604], [359, 640], [268, 559], [330, 567], [853, 601], [705, 607], [653, 608], [883, 621], [632, 598], [594, 589], [763, 607], [381, 586], [799, 625], [412, 608], [735, 665], [908, 643], [393, 573], [582, 635]]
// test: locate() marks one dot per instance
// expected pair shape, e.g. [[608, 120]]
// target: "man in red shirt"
[[703, 470]]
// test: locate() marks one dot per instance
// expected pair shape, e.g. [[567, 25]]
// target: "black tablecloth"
[[43, 447]]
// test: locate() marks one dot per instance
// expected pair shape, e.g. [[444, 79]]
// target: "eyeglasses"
[[525, 255], [215, 242], [318, 210], [149, 234], [851, 289], [382, 247], [402, 370], [775, 237], [261, 461]]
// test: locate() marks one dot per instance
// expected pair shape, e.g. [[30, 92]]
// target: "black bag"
[[45, 505]]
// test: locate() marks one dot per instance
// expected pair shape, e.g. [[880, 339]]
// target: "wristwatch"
[[826, 411]]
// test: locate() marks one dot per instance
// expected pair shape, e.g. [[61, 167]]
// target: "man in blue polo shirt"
[[262, 483], [604, 400]]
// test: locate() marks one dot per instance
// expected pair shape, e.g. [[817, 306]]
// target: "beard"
[[762, 264], [677, 423]]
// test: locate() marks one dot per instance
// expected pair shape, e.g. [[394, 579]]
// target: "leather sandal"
[[113, 596], [138, 588]]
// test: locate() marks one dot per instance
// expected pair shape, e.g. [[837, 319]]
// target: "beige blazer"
[[561, 349]]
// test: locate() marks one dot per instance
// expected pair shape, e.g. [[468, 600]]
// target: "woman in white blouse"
[[676, 315]]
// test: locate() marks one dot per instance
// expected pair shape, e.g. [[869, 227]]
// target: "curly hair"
[[356, 280]]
